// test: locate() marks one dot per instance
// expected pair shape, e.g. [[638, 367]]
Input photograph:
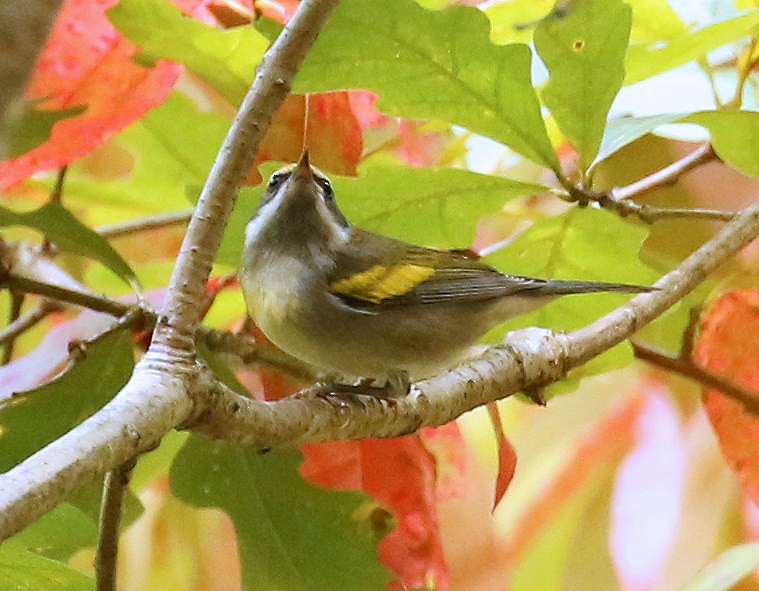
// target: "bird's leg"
[[397, 386]]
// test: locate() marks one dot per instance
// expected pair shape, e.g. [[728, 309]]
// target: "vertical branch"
[[111, 511], [175, 330]]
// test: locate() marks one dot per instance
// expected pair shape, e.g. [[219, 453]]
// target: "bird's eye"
[[326, 186], [277, 179]]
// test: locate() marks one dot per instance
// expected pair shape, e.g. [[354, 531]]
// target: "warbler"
[[359, 305]]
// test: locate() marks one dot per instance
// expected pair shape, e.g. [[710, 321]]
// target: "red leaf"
[[399, 473], [451, 457], [363, 104], [507, 456], [729, 346], [86, 62], [418, 148]]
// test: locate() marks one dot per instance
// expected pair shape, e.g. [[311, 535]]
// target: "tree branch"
[[177, 218], [111, 511], [529, 359], [27, 321], [650, 214], [687, 368]]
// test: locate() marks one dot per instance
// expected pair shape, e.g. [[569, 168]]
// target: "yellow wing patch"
[[382, 282]]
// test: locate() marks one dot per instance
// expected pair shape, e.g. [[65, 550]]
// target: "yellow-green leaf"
[[584, 49]]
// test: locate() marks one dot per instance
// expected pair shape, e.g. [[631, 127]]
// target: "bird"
[[361, 308]]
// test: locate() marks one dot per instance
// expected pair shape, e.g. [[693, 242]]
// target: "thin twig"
[[111, 511], [668, 175], [17, 301], [745, 68], [687, 368], [650, 214], [84, 299], [55, 197], [177, 218], [28, 320]]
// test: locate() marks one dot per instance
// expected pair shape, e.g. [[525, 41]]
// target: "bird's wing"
[[390, 273]]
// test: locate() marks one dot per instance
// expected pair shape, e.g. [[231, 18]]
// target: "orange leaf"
[[401, 474], [728, 346], [87, 63], [334, 136]]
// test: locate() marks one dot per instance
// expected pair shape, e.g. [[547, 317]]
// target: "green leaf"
[[59, 533], [29, 420], [430, 206], [69, 234], [74, 524], [583, 243], [625, 130], [28, 127], [292, 535], [435, 65], [728, 569], [173, 146], [584, 50], [22, 570], [644, 61], [734, 136], [654, 20], [514, 22], [225, 58]]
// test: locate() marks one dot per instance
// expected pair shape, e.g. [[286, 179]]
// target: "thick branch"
[[530, 359], [130, 424]]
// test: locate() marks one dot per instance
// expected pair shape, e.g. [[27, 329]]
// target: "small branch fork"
[[621, 200]]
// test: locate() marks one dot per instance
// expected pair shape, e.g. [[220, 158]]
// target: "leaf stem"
[[27, 320]]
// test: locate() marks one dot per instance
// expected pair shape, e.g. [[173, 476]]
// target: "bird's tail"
[[561, 287]]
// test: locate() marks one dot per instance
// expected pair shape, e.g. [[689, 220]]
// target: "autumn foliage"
[[626, 480]]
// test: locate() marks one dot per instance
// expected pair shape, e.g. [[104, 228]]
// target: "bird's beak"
[[302, 170]]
